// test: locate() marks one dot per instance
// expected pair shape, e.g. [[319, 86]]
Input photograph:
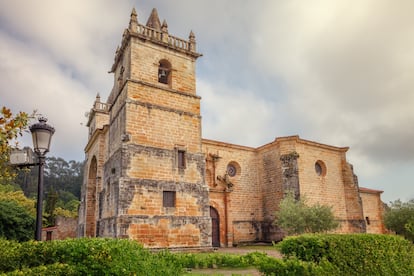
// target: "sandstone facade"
[[150, 176]]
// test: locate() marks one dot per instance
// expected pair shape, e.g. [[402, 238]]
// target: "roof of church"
[[370, 191]]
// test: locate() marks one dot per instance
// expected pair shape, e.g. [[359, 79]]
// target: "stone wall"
[[64, 228], [145, 57], [373, 210], [154, 127], [270, 173], [332, 183], [238, 198]]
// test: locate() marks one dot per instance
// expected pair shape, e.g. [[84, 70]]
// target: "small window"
[[231, 170], [320, 168], [168, 199], [164, 71], [367, 220], [181, 159]]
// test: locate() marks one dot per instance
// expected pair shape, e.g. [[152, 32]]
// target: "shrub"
[[87, 257], [297, 217], [399, 217], [16, 223], [210, 260], [354, 254], [53, 269], [9, 255], [295, 267], [265, 264]]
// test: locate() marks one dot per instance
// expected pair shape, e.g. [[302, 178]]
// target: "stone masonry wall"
[[241, 193], [145, 57], [150, 123], [162, 127], [332, 187], [373, 210], [270, 177]]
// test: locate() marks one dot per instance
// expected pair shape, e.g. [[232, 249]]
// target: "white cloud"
[[346, 66], [236, 116], [32, 81], [335, 72]]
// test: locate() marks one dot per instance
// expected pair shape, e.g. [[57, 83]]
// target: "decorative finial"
[[192, 36], [164, 27], [133, 21], [192, 44]]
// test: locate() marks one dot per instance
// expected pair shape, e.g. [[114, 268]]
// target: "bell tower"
[[153, 187]]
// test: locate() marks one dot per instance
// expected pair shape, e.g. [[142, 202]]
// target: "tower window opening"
[[168, 198], [164, 72], [181, 159]]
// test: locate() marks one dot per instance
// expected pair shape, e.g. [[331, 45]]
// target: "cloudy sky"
[[332, 71]]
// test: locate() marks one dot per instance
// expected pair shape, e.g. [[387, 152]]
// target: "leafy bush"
[[297, 217], [295, 267], [86, 257], [400, 218], [355, 254], [12, 193], [211, 260], [53, 269], [305, 255], [16, 223], [9, 255], [265, 264]]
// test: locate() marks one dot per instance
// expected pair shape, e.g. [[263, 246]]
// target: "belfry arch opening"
[[90, 227], [164, 71]]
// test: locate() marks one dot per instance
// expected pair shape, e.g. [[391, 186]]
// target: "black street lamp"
[[42, 135]]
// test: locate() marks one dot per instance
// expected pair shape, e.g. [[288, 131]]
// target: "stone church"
[[151, 177]]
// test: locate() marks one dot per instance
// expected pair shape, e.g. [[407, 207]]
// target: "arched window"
[[320, 168], [164, 71], [233, 169]]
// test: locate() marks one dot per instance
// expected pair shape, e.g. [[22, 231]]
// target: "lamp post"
[[42, 135]]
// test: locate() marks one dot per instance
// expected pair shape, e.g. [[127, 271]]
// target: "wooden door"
[[215, 227]]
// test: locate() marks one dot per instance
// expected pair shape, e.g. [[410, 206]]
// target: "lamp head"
[[42, 135]]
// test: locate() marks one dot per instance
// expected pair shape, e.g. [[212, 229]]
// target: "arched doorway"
[[215, 227], [90, 227]]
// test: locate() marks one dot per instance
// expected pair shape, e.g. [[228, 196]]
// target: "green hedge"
[[354, 254], [84, 257], [361, 254], [215, 260], [265, 264]]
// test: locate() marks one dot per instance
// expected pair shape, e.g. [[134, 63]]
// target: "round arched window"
[[231, 170], [320, 168]]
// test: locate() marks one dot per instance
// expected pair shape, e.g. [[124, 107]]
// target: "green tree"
[[49, 213], [13, 193], [16, 223], [11, 126], [64, 175], [399, 217], [61, 177], [17, 214], [297, 217]]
